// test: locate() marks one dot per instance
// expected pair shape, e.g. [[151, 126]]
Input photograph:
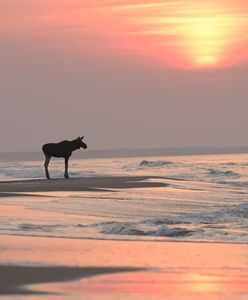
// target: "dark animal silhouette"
[[63, 149]]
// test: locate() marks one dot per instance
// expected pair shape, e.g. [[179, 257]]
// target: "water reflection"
[[154, 285]]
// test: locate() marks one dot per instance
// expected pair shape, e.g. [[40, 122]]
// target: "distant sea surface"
[[206, 200]]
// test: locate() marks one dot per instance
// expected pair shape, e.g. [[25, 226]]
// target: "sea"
[[205, 198]]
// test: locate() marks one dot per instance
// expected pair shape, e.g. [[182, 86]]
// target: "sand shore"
[[79, 184], [107, 269], [146, 269]]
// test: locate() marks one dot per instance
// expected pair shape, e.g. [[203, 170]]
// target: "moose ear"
[[82, 138]]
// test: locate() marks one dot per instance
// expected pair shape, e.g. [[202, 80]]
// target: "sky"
[[125, 74]]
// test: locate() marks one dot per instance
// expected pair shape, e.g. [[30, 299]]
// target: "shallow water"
[[155, 270], [209, 204], [230, 170]]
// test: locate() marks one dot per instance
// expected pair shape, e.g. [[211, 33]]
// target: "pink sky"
[[178, 34], [157, 67]]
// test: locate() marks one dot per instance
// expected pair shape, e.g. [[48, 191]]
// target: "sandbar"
[[79, 184]]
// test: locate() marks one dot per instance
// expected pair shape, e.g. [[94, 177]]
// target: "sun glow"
[[206, 39], [181, 34], [185, 34]]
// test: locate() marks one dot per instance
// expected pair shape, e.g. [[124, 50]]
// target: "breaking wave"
[[154, 164], [34, 227], [225, 215], [191, 225], [238, 184], [226, 173], [120, 228]]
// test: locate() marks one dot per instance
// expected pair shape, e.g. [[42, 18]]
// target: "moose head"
[[81, 144]]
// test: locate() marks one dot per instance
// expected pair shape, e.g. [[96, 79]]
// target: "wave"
[[227, 173], [155, 164], [34, 227], [177, 226], [120, 228], [238, 184], [225, 215], [173, 232], [164, 221]]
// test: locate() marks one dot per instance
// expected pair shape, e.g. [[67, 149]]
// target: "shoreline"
[[129, 153], [91, 267], [157, 240], [103, 183]]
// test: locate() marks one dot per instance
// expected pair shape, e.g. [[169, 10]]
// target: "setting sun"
[[180, 34], [176, 34], [209, 34]]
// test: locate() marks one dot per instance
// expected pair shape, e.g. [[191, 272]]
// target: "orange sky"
[[131, 69], [174, 33], [184, 34]]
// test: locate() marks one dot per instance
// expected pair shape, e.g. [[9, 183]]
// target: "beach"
[[79, 184], [124, 153], [90, 269], [39, 263]]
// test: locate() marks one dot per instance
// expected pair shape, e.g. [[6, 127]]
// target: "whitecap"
[[154, 164], [31, 227], [172, 232], [218, 172], [122, 229]]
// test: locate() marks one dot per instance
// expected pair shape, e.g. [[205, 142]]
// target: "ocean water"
[[206, 199]]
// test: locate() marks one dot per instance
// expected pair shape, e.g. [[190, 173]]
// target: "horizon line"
[[134, 152]]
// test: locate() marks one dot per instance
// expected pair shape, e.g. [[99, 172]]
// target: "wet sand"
[[78, 184], [107, 269], [15, 278], [100, 269]]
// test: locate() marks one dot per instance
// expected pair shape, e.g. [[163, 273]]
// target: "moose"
[[63, 149]]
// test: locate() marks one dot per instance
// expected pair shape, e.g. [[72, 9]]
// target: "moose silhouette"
[[63, 149]]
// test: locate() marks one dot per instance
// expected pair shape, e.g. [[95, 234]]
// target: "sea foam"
[[154, 164]]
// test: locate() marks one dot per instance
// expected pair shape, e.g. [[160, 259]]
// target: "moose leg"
[[46, 166], [66, 167]]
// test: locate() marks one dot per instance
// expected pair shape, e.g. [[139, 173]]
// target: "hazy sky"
[[126, 74]]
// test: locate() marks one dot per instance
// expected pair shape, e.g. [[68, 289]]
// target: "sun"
[[207, 60], [207, 37], [200, 35], [180, 34]]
